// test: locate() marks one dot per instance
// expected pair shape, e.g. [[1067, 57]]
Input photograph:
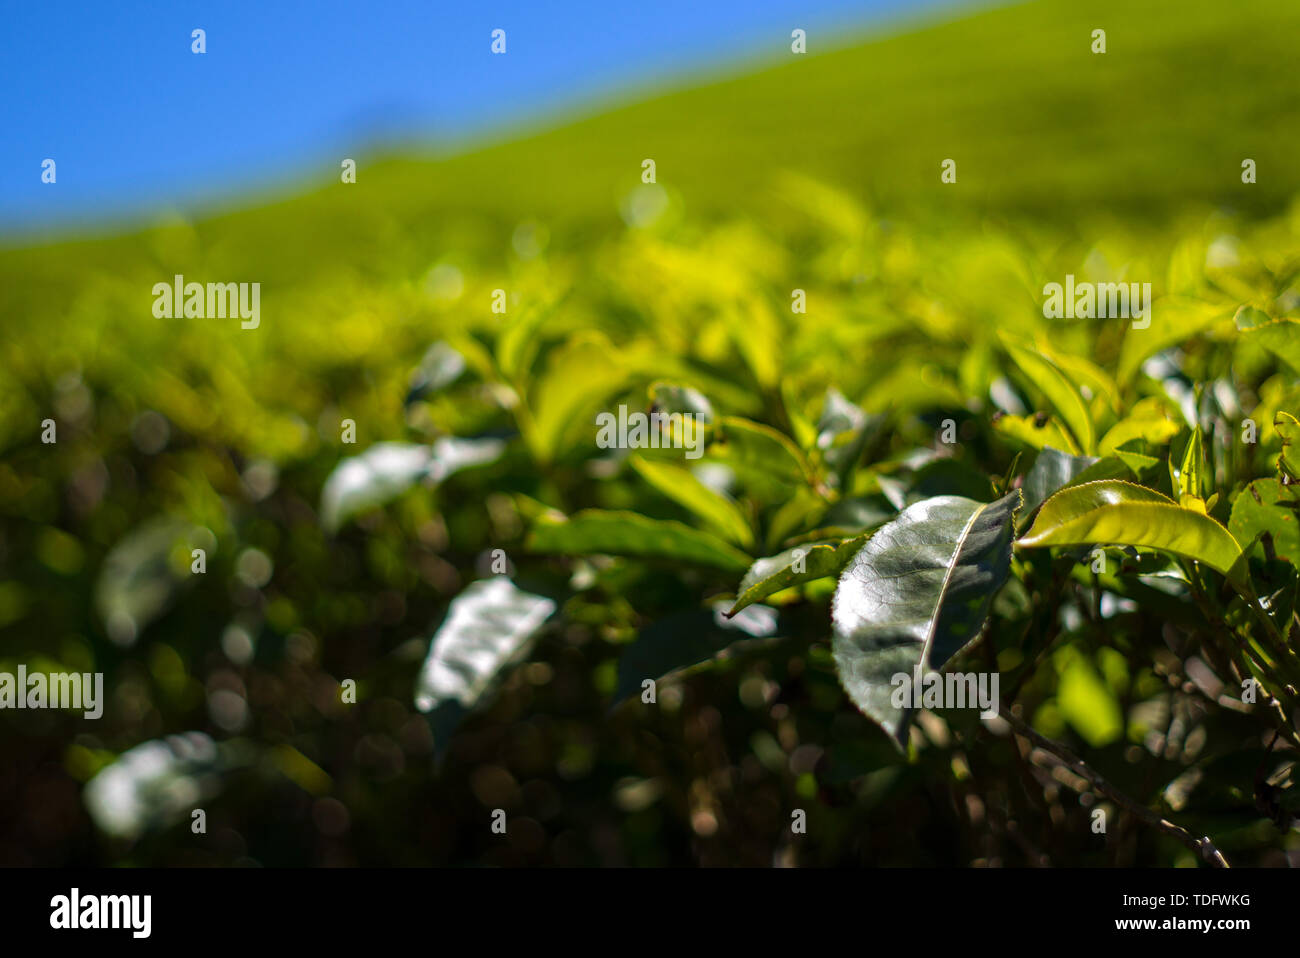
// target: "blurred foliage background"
[[820, 174]]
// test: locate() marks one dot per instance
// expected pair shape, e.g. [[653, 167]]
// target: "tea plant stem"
[[1203, 847]]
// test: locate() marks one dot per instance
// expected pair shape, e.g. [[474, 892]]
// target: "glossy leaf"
[[154, 784], [671, 398], [916, 594], [441, 366], [486, 627], [387, 469], [143, 573]]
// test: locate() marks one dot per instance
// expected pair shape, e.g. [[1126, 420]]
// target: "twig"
[[1203, 847]]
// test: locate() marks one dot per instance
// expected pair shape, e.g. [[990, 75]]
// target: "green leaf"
[[1268, 507], [795, 516], [1059, 391], [803, 563], [1111, 512], [387, 469], [916, 594], [488, 626], [1081, 371], [520, 340], [759, 338], [681, 485], [1139, 463], [632, 534]]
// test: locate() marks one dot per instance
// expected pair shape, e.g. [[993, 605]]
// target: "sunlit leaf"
[[1192, 480], [1173, 320], [761, 456], [154, 784], [485, 628], [915, 595], [579, 376], [1112, 512], [387, 469], [1085, 700]]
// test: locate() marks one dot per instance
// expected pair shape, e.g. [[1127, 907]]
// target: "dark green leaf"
[[916, 594]]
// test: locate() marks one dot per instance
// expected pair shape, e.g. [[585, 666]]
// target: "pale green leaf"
[[1111, 512]]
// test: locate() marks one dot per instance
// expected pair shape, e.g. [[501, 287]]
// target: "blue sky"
[[136, 122]]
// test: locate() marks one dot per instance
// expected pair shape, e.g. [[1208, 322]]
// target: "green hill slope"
[[1036, 122]]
